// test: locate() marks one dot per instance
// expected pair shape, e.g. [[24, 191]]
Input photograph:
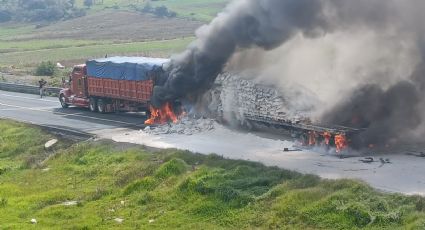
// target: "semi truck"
[[112, 84]]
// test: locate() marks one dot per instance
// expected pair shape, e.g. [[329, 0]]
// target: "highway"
[[48, 112]]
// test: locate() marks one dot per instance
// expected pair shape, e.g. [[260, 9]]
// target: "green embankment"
[[172, 189]]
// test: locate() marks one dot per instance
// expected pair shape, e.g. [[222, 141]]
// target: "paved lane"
[[47, 111]]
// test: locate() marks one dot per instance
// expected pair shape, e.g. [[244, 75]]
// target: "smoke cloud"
[[243, 24], [363, 59]]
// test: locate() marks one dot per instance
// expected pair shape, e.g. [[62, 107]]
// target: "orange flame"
[[327, 138], [161, 115], [340, 142]]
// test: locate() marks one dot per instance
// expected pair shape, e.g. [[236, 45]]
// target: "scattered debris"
[[119, 220], [186, 126], [416, 154], [33, 221], [384, 161], [291, 150], [367, 160], [50, 143]]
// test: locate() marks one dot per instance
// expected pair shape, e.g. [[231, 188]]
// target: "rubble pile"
[[185, 125], [239, 98]]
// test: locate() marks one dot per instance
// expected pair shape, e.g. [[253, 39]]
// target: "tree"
[[72, 3], [5, 16], [88, 3]]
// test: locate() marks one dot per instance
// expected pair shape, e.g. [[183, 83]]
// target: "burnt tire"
[[101, 106], [62, 100], [93, 104]]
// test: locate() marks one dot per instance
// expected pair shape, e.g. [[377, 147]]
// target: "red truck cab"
[[112, 84], [75, 91]]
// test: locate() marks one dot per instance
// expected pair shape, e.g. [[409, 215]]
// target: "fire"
[[162, 115], [327, 138], [340, 142]]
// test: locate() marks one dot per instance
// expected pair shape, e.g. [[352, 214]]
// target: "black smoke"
[[387, 114], [245, 23]]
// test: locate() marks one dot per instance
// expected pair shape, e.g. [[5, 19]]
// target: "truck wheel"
[[101, 106], [63, 101], [92, 104]]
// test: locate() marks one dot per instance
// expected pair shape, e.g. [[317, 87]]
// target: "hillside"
[[113, 27], [105, 185]]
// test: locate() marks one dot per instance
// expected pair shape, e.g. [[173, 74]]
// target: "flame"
[[340, 142], [327, 138], [312, 138], [162, 115]]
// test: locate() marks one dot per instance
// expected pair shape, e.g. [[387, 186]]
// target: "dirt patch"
[[116, 25]]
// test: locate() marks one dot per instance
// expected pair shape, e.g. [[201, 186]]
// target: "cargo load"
[[113, 84]]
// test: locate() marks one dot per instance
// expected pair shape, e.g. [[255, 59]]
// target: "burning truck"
[[112, 84], [122, 84]]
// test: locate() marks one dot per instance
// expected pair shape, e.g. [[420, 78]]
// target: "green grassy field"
[[203, 10], [118, 186], [28, 53]]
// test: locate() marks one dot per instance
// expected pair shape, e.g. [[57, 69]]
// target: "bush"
[[88, 3], [5, 16], [173, 167], [146, 184], [159, 11], [46, 69]]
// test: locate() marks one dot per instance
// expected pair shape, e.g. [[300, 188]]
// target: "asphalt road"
[[48, 112]]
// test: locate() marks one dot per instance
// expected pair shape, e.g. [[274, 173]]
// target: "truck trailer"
[[112, 84]]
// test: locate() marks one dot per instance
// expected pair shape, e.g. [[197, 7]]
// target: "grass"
[[202, 10], [44, 51], [9, 31], [172, 189], [19, 46]]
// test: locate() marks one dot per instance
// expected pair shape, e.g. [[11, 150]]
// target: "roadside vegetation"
[[105, 185], [36, 31], [39, 10]]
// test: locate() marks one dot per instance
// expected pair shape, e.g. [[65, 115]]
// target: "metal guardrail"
[[31, 89]]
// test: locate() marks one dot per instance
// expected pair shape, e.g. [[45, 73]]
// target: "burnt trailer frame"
[[301, 130]]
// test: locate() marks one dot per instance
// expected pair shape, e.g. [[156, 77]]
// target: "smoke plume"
[[243, 24], [363, 59]]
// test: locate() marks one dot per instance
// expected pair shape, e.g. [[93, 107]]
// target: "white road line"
[[66, 114], [16, 109], [30, 98]]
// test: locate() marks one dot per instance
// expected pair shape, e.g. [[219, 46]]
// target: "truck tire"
[[63, 101], [92, 104], [101, 106]]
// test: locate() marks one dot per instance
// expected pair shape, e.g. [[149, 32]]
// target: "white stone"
[[70, 203], [119, 220], [50, 143], [33, 221]]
